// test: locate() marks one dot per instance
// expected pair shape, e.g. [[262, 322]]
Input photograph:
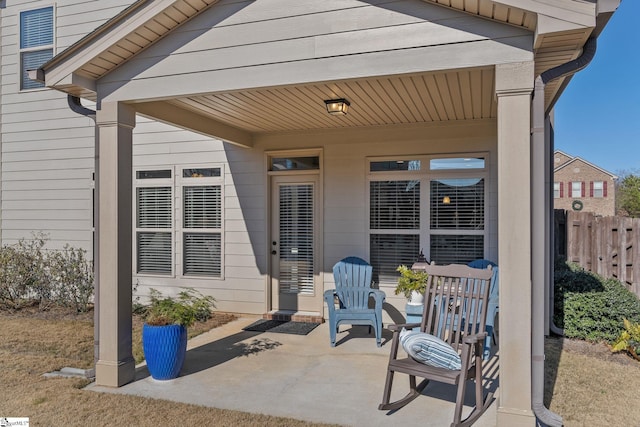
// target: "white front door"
[[295, 278]]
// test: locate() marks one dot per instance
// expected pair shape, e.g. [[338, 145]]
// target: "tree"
[[628, 196]]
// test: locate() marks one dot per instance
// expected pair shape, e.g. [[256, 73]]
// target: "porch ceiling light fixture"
[[337, 106]]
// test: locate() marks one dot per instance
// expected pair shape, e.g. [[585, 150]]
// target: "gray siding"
[[240, 44], [47, 151]]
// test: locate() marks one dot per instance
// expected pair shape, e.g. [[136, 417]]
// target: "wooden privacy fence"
[[608, 246]]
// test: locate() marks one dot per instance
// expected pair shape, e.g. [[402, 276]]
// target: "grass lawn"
[[590, 386], [33, 345], [585, 383]]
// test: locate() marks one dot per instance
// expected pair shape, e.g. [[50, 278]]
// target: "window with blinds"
[[394, 205], [153, 230], [36, 43], [192, 226], [457, 204], [440, 210], [202, 223], [394, 222]]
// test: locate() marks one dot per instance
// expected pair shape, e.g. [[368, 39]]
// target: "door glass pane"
[[296, 239]]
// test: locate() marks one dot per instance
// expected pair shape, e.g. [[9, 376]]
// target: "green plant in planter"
[[187, 308], [410, 280], [164, 334], [629, 340]]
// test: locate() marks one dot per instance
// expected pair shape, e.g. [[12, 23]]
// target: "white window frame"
[[598, 193], [575, 190], [556, 190], [181, 183], [153, 182], [21, 50], [425, 176], [177, 183]]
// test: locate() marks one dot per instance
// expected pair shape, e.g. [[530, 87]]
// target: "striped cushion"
[[430, 350]]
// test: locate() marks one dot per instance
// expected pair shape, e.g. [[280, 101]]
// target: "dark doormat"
[[282, 327]]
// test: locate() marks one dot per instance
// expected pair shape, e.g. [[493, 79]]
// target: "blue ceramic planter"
[[164, 349]]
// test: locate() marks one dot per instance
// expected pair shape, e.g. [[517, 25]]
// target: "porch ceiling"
[[456, 95]]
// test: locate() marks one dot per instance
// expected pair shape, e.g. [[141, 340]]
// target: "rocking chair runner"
[[455, 312]]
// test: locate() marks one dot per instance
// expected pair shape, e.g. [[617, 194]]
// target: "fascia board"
[[579, 13], [95, 43]]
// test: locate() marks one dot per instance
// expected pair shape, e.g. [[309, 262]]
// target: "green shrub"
[[589, 307], [71, 278], [24, 278], [30, 274], [185, 309]]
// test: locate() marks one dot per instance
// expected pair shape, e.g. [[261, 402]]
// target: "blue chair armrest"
[[329, 296], [379, 297]]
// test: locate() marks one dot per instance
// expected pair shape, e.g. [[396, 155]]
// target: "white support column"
[[514, 86], [115, 366]]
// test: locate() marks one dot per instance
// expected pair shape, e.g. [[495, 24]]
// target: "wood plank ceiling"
[[457, 95]]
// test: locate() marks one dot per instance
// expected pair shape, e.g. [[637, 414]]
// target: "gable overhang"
[[578, 160], [237, 101]]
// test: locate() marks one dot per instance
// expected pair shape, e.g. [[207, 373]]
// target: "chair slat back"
[[353, 282], [455, 301]]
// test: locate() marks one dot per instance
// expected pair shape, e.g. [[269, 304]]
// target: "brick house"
[[582, 186]]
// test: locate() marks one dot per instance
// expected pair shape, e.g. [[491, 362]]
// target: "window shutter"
[[583, 187], [604, 189], [561, 189], [590, 188]]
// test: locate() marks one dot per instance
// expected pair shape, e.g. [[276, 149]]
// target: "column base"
[[115, 374], [515, 418]]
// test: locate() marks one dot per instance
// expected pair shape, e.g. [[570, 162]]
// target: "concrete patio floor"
[[301, 377]]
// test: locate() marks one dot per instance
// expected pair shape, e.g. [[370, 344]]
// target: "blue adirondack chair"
[[492, 307], [353, 289]]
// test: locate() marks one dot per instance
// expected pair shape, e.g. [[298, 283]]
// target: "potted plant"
[[412, 283], [164, 333]]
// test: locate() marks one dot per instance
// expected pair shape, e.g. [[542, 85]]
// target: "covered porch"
[[300, 377], [423, 81]]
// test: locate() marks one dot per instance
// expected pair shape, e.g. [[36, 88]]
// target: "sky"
[[597, 117]]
